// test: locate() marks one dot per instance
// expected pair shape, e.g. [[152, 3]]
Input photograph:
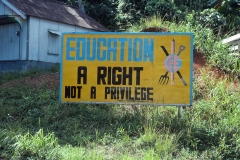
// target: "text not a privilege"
[[118, 77]]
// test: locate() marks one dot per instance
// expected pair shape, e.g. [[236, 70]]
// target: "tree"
[[229, 9], [118, 15], [103, 11], [71, 2]]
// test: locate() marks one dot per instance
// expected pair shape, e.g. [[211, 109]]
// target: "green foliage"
[[223, 5], [215, 118], [231, 11], [36, 146], [132, 12], [7, 139], [123, 14], [28, 146], [71, 2], [102, 11], [72, 153], [209, 18], [214, 20], [163, 144]]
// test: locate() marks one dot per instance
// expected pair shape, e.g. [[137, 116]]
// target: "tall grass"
[[208, 130], [37, 146]]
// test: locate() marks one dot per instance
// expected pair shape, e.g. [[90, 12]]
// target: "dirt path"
[[50, 80]]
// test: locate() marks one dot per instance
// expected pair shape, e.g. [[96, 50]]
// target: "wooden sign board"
[[127, 68]]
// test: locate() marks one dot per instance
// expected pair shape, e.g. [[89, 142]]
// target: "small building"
[[30, 31]]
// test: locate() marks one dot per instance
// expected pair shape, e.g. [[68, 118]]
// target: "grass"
[[34, 125]]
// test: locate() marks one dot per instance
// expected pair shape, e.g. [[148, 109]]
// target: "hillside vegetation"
[[223, 16], [35, 125]]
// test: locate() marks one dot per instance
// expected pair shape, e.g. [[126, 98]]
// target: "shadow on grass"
[[26, 108]]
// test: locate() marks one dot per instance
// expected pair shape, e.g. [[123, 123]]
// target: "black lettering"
[[127, 76], [116, 78], [79, 91], [67, 92], [126, 89], [107, 91], [130, 94], [109, 75], [143, 93], [137, 93], [82, 73], [93, 92], [101, 75], [138, 69], [113, 92], [117, 92], [122, 91], [73, 92], [126, 93], [149, 93]]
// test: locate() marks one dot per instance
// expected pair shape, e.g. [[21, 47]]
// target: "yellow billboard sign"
[[127, 68]]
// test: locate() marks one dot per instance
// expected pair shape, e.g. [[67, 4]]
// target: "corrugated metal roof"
[[57, 11]]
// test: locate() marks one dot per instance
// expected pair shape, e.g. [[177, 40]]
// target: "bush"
[[7, 139], [229, 9], [36, 146], [209, 18], [131, 11], [103, 12]]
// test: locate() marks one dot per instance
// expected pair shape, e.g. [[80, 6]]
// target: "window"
[[53, 42]]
